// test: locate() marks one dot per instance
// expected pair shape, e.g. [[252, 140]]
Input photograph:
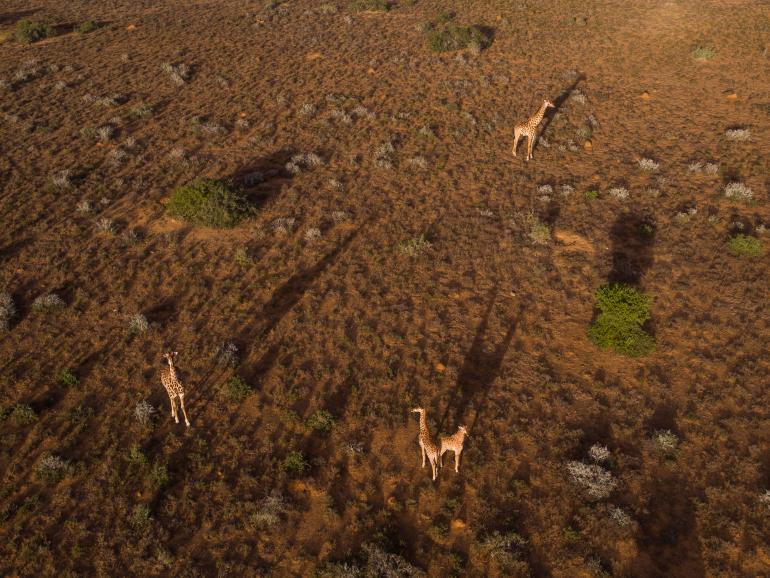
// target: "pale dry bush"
[[62, 179], [738, 134], [312, 234], [137, 324], [599, 453], [105, 225], [283, 225], [620, 517], [739, 192], [269, 512], [143, 412], [597, 482], [52, 468], [47, 302], [619, 193], [228, 354], [666, 441], [648, 165], [178, 73], [300, 162], [764, 499]]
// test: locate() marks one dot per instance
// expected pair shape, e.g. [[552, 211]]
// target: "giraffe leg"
[[516, 136], [433, 467], [423, 453], [441, 459], [457, 461], [173, 407], [530, 143], [184, 411]]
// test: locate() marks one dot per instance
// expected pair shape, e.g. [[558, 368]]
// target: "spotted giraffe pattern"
[[174, 387], [428, 447], [453, 443], [529, 129]]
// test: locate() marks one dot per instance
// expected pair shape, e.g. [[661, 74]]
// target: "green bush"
[[746, 246], [238, 389], [159, 475], [374, 5], [321, 421], [87, 26], [296, 463], [30, 31], [456, 37], [209, 202], [67, 378], [619, 326]]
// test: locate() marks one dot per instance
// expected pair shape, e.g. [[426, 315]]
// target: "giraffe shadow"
[[479, 370]]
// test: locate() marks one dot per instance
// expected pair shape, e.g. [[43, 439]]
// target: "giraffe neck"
[[171, 369], [423, 424], [539, 115]]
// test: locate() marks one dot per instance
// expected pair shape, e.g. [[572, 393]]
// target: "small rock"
[[588, 146], [646, 95], [440, 367]]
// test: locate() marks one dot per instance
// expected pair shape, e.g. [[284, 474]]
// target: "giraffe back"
[[170, 381], [453, 442]]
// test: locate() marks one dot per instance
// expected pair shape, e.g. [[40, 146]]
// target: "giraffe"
[[529, 128], [454, 443], [428, 446], [174, 387]]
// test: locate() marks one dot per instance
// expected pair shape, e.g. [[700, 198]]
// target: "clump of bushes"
[[47, 302], [29, 31], [746, 246], [321, 421], [268, 512], [210, 203], [453, 36], [619, 326], [597, 482]]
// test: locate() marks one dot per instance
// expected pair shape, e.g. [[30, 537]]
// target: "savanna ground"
[[411, 261]]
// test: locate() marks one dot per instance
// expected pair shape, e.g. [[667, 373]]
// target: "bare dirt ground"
[[403, 270]]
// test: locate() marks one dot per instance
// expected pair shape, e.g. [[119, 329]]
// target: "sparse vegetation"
[[52, 469], [738, 134], [622, 313], [210, 203], [7, 311], [746, 246], [29, 31]]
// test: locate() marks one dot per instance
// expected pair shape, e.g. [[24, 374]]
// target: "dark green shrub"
[[238, 389], [623, 312], [29, 31], [321, 421], [746, 246], [456, 37], [87, 26], [296, 463], [159, 475], [591, 195], [374, 5], [67, 378], [209, 202]]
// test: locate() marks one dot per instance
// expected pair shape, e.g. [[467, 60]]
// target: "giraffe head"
[[464, 429], [170, 356], [548, 104], [418, 410]]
